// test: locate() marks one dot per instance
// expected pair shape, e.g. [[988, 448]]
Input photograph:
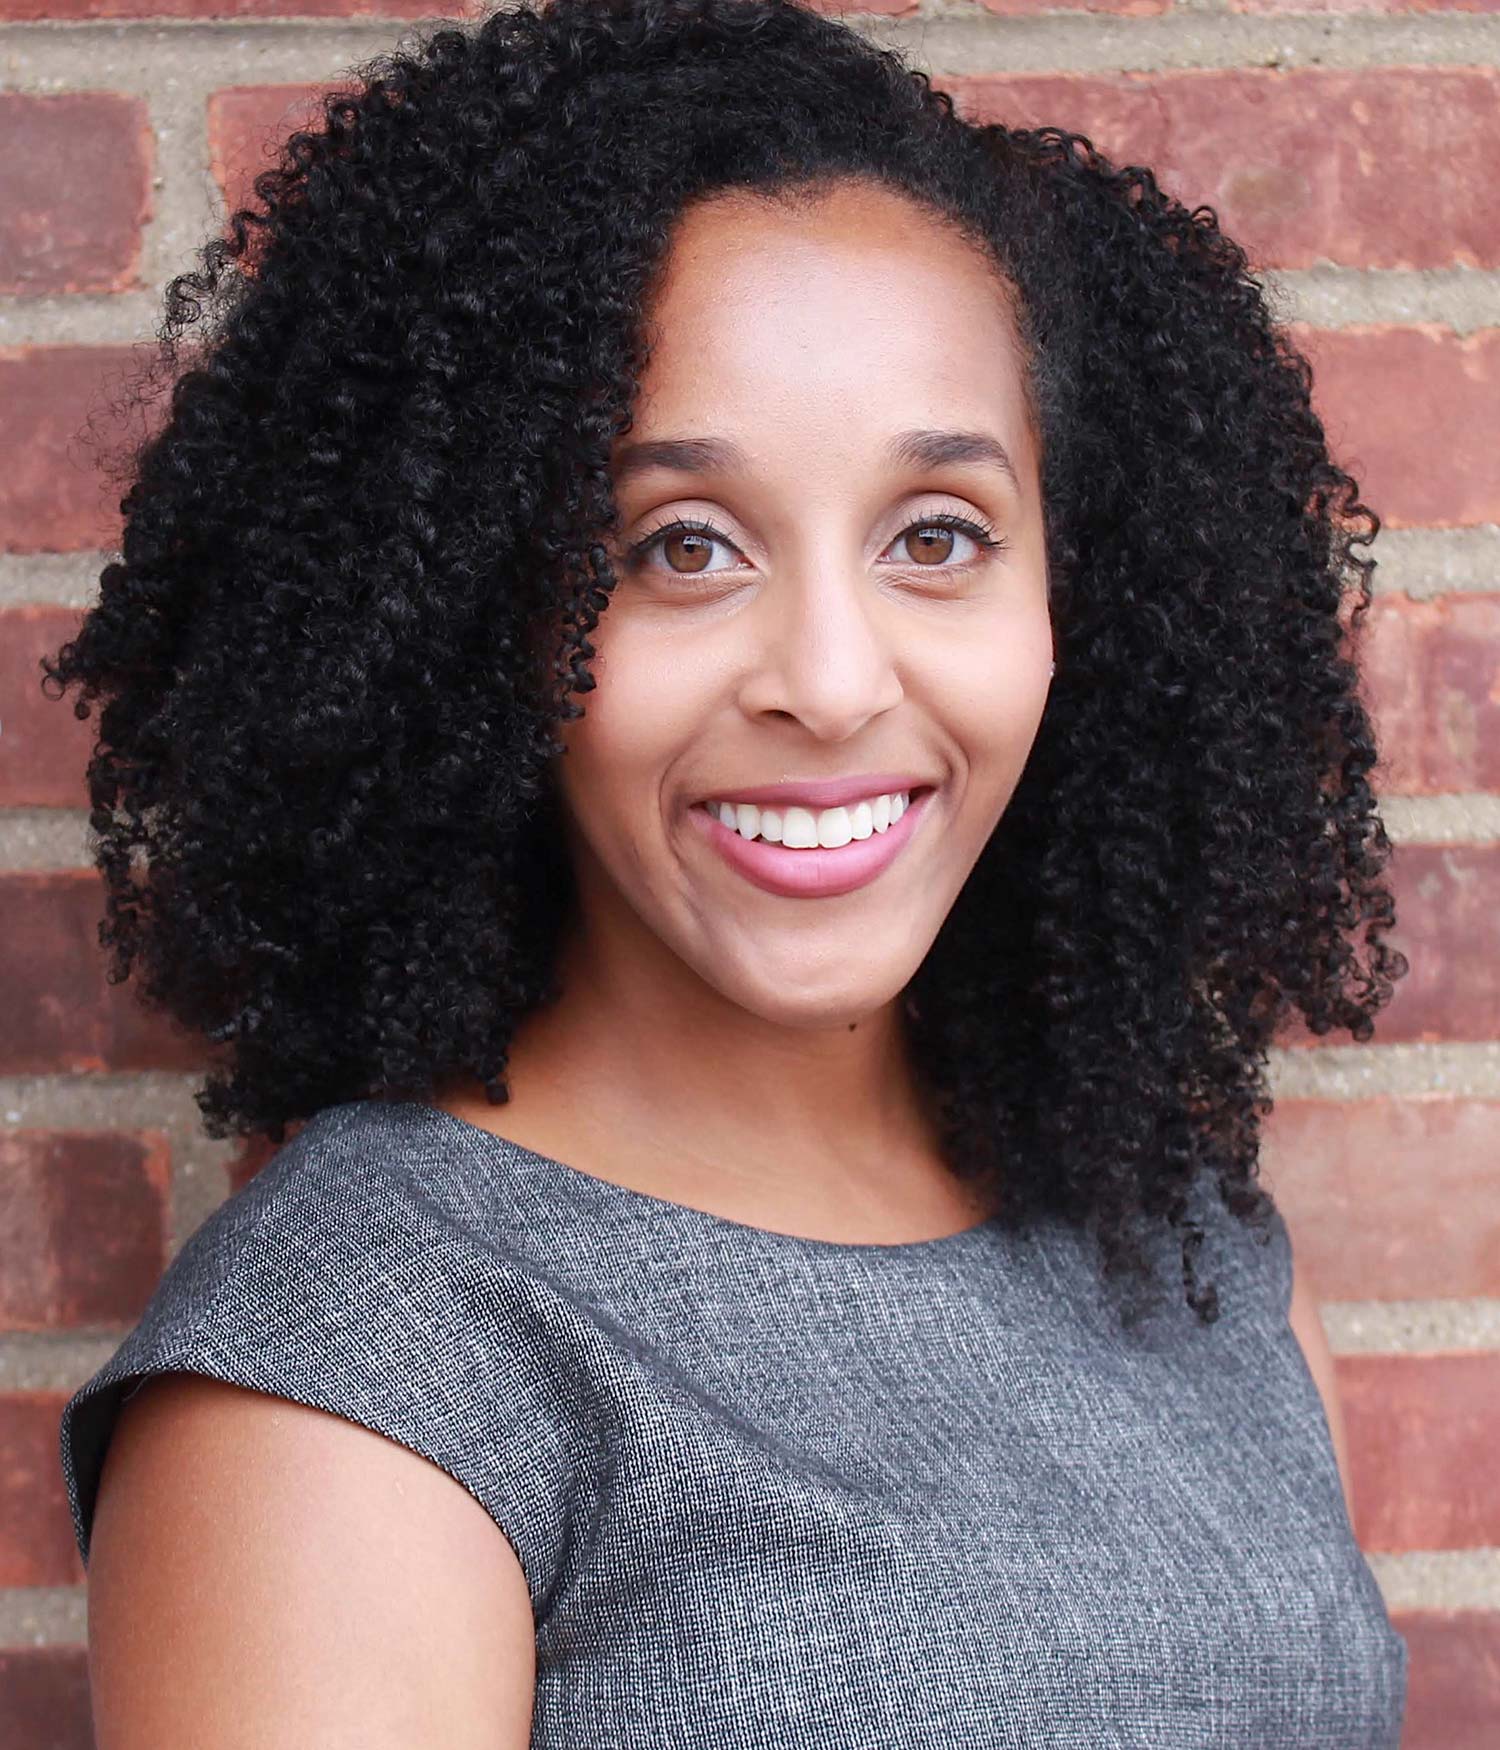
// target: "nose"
[[822, 648]]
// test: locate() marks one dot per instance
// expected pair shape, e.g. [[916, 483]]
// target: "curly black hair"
[[363, 553]]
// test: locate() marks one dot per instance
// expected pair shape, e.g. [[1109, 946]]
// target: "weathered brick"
[[1453, 1680], [58, 430], [44, 1691], [1423, 1432], [87, 1229], [1414, 414], [1040, 8], [1446, 926], [1433, 674], [229, 9], [44, 748], [78, 191], [36, 1534], [1364, 6], [61, 1015], [1369, 167], [246, 127], [1389, 1199]]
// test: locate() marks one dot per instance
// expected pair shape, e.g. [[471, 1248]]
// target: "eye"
[[685, 537], [692, 540], [935, 540]]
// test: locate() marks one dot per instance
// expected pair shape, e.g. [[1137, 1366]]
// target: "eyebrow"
[[913, 449]]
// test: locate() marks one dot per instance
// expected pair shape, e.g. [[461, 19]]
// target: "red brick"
[[1453, 1680], [61, 1016], [246, 127], [1040, 8], [1433, 669], [235, 9], [1446, 926], [1414, 414], [44, 748], [1300, 166], [1389, 1199], [59, 436], [36, 1531], [78, 191], [207, 9], [44, 1695], [1365, 6], [1423, 1432], [87, 1226]]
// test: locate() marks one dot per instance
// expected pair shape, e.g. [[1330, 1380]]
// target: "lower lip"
[[813, 874]]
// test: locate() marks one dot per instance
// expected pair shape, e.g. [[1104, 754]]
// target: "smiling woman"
[[724, 1110], [861, 589]]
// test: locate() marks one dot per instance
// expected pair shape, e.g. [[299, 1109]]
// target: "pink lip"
[[819, 793], [814, 874]]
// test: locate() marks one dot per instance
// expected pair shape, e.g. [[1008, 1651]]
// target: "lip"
[[819, 793], [812, 874]]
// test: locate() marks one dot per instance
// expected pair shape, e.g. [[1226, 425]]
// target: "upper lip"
[[821, 792]]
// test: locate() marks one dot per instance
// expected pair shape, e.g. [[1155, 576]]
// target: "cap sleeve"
[[337, 1290]]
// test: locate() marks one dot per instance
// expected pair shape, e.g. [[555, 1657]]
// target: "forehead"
[[857, 305]]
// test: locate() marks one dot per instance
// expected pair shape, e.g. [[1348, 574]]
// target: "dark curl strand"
[[364, 550]]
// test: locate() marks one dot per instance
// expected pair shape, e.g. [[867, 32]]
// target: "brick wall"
[[1352, 148]]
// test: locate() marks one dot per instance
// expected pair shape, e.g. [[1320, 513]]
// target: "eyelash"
[[982, 532]]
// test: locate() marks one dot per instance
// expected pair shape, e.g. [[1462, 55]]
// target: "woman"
[[685, 1312]]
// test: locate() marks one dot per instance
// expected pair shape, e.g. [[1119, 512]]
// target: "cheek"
[[992, 703], [644, 716]]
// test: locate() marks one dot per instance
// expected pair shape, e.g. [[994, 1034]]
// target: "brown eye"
[[695, 542], [929, 543], [697, 548]]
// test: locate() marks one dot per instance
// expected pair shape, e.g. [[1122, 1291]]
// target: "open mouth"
[[799, 828], [815, 871]]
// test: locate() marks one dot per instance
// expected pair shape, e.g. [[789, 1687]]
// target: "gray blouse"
[[774, 1491]]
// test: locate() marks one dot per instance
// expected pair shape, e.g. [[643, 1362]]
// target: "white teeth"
[[799, 829]]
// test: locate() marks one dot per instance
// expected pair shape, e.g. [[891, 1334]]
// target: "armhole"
[[90, 1418], [92, 1431], [525, 1503]]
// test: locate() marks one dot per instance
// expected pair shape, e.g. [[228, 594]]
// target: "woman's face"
[[826, 623]]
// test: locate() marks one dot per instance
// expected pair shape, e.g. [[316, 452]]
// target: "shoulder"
[[1306, 1321], [1250, 1259], [255, 1558], [335, 1281], [1268, 1300]]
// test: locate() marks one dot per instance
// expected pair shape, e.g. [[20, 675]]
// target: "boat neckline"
[[627, 1197]]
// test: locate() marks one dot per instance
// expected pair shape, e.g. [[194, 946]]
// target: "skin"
[[743, 1051]]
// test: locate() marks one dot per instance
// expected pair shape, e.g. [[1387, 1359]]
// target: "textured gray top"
[[773, 1491]]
